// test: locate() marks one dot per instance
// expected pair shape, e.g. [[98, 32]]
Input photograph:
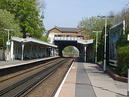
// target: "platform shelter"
[[30, 48]]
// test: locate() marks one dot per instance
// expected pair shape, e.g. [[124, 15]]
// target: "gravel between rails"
[[50, 85]]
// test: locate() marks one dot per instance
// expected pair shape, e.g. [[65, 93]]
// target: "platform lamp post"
[[127, 5], [96, 44], [128, 71], [105, 38], [8, 42], [22, 54]]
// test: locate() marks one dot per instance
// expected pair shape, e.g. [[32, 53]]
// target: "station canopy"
[[32, 40]]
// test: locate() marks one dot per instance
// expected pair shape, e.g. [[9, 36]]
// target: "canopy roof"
[[33, 40], [67, 29]]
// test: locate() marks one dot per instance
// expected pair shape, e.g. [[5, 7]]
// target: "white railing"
[[78, 39], [67, 38]]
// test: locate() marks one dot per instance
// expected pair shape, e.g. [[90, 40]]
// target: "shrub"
[[123, 60]]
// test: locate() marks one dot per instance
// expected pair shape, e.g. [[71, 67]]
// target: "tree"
[[93, 24], [123, 15], [7, 21], [27, 14], [101, 44], [70, 50]]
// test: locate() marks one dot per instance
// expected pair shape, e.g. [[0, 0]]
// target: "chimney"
[[28, 35]]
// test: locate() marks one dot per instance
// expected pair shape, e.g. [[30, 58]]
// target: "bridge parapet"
[[78, 39], [85, 41], [67, 38]]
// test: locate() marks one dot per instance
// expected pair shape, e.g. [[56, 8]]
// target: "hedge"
[[123, 60]]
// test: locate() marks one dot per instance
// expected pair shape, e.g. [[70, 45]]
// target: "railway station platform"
[[88, 80], [14, 63]]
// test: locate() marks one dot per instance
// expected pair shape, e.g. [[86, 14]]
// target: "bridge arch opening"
[[70, 51]]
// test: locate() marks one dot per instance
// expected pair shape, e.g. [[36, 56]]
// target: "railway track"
[[21, 72], [22, 87]]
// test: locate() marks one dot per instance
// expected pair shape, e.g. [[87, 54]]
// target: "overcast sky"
[[68, 13]]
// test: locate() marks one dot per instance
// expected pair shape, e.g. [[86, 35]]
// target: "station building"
[[64, 33]]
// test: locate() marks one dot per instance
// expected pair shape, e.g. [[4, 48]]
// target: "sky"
[[68, 13]]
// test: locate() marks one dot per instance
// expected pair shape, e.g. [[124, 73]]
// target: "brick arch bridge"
[[63, 37], [83, 48]]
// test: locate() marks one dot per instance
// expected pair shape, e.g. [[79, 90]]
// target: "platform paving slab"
[[88, 80], [103, 84], [76, 84], [68, 89]]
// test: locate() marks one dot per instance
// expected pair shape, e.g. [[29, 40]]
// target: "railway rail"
[[22, 87], [10, 75]]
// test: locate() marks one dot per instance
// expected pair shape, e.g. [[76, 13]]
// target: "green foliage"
[[122, 44], [123, 60], [27, 14], [123, 15], [70, 50], [44, 38], [93, 24], [7, 21], [100, 53], [122, 41], [123, 55]]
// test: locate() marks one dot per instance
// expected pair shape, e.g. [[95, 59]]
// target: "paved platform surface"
[[8, 64], [88, 80]]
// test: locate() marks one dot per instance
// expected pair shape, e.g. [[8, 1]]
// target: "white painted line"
[[59, 89]]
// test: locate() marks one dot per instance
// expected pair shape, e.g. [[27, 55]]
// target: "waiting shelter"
[[30, 48]]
